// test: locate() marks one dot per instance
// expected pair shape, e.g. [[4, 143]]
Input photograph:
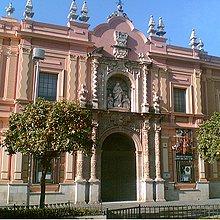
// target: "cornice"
[[64, 39]]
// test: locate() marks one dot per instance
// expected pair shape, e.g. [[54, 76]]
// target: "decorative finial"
[[119, 12], [160, 28], [73, 11], [120, 7], [9, 9], [28, 13], [193, 40], [200, 45], [84, 13], [151, 30]]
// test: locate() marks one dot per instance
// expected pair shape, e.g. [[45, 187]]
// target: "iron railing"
[[165, 212]]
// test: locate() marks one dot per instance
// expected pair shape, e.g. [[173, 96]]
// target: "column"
[[202, 183], [147, 182], [94, 80], [95, 185], [145, 104], [158, 180], [80, 192]]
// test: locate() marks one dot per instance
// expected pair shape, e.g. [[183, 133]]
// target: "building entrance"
[[118, 169]]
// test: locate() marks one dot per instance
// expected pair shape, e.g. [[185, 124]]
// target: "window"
[[52, 175], [47, 87], [179, 100]]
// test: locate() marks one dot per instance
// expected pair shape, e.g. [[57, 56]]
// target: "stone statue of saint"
[[126, 103], [117, 95], [110, 101]]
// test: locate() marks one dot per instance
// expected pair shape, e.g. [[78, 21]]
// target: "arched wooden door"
[[118, 169]]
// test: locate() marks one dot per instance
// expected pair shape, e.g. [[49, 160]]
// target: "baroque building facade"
[[148, 99]]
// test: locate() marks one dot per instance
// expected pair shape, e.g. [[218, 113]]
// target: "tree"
[[48, 129], [208, 137]]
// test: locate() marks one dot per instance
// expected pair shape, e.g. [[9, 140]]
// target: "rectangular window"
[[52, 175], [179, 100], [47, 87]]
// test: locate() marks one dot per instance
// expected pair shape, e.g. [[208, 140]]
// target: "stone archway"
[[118, 169]]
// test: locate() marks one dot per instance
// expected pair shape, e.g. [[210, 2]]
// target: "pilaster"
[[6, 163], [94, 80], [197, 86], [82, 72], [72, 77], [69, 178], [24, 74], [201, 167], [95, 184], [11, 54], [158, 180], [17, 168], [80, 191], [145, 104], [1, 68]]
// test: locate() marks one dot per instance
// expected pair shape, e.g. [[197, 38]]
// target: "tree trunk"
[[43, 185]]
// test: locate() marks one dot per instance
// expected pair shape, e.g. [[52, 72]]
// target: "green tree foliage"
[[209, 138], [48, 129]]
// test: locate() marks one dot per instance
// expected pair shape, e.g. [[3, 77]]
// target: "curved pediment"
[[117, 34]]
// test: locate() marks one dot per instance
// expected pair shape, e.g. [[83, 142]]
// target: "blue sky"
[[180, 16]]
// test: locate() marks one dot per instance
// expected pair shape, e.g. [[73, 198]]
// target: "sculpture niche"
[[118, 98]]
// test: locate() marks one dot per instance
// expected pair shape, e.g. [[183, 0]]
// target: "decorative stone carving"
[[117, 97], [113, 119], [93, 176], [157, 129], [121, 39], [83, 95], [120, 53], [146, 153], [156, 103], [120, 50], [95, 65], [145, 104]]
